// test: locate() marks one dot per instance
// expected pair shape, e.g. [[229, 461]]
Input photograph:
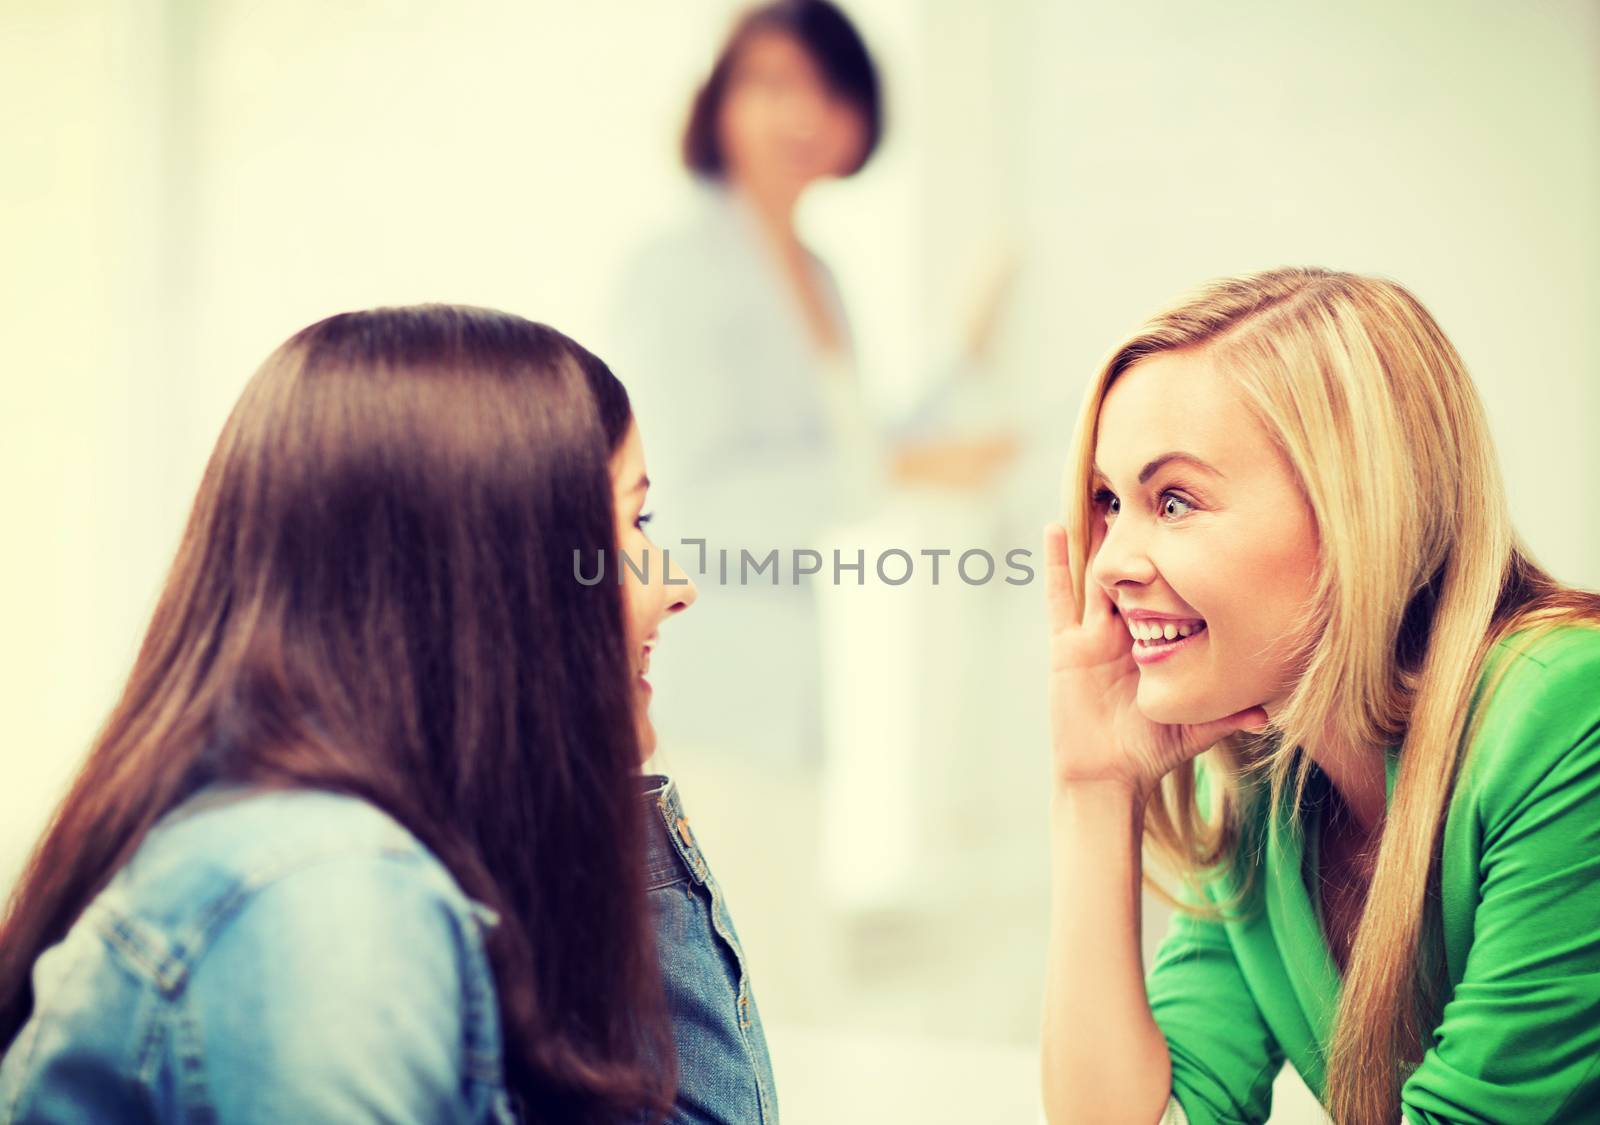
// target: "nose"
[[804, 112], [681, 590], [1120, 557]]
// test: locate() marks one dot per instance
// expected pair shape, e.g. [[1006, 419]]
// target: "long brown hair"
[[1420, 577], [374, 595]]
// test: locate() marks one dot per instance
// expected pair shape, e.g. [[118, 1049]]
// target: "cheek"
[[638, 603], [643, 601], [742, 127], [847, 136], [1252, 595]]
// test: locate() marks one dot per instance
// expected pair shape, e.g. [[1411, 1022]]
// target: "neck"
[[773, 205], [1360, 775]]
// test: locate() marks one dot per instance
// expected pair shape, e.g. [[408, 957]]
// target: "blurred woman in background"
[[1390, 856], [743, 352], [365, 838]]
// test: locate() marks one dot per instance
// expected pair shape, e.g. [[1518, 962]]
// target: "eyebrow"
[[641, 485], [1177, 455]]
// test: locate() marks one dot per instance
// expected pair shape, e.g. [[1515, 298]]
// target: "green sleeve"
[[1224, 1057], [1520, 1035]]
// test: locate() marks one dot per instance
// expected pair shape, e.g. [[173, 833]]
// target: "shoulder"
[[313, 960], [238, 861], [335, 948], [1543, 682], [667, 291], [1537, 716], [365, 948], [657, 258], [1556, 653], [697, 240]]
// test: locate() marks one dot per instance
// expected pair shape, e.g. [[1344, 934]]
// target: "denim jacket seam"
[[25, 1046], [147, 1058], [28, 1043], [162, 952], [690, 852], [743, 1020], [670, 810], [136, 942], [189, 1060], [483, 1054], [169, 955], [482, 1062]]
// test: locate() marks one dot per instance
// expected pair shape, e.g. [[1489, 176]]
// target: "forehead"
[[1170, 401], [627, 462], [773, 48]]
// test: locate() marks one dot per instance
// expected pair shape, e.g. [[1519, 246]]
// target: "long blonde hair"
[[1420, 575]]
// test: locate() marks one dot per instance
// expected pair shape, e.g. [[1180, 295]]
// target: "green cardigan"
[[1519, 1041]]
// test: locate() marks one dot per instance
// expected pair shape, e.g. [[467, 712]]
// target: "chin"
[[1174, 708]]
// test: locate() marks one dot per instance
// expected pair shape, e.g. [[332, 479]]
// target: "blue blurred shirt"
[[755, 440]]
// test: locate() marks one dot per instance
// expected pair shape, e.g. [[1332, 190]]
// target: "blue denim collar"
[[671, 851]]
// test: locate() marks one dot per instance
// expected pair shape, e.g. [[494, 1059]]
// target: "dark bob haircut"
[[833, 43]]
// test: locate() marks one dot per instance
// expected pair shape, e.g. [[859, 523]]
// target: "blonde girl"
[[1299, 656]]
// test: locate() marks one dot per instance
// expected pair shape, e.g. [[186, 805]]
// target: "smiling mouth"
[[1156, 640], [1162, 632]]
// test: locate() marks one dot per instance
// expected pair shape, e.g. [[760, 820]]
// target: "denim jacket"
[[724, 1073], [299, 957]]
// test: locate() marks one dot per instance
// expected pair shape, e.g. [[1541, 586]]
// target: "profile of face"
[[780, 126], [1204, 540], [658, 590]]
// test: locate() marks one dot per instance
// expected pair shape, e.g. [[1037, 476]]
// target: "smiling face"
[[1202, 528], [781, 127], [658, 590]]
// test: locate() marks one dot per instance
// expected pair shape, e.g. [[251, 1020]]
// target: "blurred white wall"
[[91, 508]]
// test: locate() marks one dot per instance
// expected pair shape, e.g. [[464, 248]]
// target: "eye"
[[1169, 499], [644, 518], [1105, 501]]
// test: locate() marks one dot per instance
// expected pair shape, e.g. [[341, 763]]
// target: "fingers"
[[1100, 605], [1204, 735], [1061, 601]]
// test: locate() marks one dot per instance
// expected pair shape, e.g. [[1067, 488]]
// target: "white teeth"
[[1154, 631]]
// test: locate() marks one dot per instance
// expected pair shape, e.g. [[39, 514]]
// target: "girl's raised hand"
[[1097, 732]]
